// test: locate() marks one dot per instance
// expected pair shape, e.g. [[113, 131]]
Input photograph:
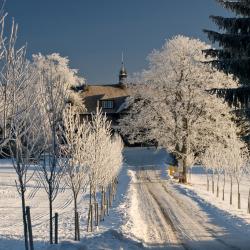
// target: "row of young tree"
[[45, 136], [92, 158], [222, 163]]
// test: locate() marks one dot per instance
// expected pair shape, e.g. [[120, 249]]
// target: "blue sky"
[[93, 33]]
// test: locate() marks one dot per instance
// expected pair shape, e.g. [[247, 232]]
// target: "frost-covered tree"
[[214, 159], [98, 158], [98, 155], [53, 82], [57, 69], [6, 100], [237, 162], [104, 159], [24, 147], [172, 105], [15, 74], [115, 159], [19, 126], [230, 159], [223, 162], [111, 171], [24, 127], [75, 151]]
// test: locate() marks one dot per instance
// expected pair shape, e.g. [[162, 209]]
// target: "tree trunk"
[[207, 181], [102, 205], [231, 190], [184, 172], [90, 194], [90, 214], [185, 149], [107, 205], [217, 188], [50, 220], [239, 205], [97, 214], [78, 226], [95, 208], [56, 228], [91, 217], [248, 204], [110, 196], [213, 183], [223, 190], [104, 202], [115, 186], [113, 190], [88, 218], [76, 219], [24, 219]]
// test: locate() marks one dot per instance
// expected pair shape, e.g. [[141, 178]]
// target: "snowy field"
[[11, 224], [150, 212], [198, 181]]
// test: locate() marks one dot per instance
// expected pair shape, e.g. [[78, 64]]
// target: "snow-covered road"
[[175, 220], [159, 227]]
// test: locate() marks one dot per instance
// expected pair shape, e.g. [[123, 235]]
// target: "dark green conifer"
[[233, 55]]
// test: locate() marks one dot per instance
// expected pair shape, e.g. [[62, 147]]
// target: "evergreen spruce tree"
[[233, 56], [234, 40]]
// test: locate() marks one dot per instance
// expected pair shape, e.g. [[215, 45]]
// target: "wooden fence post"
[[29, 228]]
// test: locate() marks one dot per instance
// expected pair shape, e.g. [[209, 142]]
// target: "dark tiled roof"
[[94, 94]]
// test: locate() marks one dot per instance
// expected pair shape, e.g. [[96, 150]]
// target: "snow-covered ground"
[[197, 186], [11, 230], [150, 211]]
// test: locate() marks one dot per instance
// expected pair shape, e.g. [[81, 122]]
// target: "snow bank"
[[134, 226]]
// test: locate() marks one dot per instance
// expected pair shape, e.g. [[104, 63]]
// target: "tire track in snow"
[[170, 221], [159, 229], [192, 232], [186, 221], [209, 229]]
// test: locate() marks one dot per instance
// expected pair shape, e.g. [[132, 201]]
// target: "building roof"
[[93, 94]]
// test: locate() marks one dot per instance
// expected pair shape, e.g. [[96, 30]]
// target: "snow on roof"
[[95, 93]]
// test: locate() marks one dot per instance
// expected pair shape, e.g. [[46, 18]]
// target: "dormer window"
[[107, 104]]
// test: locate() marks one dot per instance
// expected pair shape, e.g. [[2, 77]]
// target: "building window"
[[107, 104]]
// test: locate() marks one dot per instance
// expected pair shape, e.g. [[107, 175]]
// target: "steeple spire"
[[123, 73]]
